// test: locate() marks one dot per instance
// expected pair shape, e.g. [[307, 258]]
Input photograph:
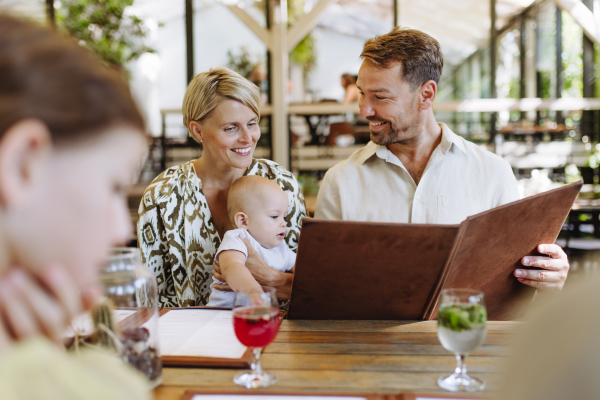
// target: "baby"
[[257, 207]]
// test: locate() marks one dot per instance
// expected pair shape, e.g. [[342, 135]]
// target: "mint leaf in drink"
[[458, 317]]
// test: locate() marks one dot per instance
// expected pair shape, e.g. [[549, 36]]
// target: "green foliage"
[[104, 27], [304, 53], [546, 84], [309, 184], [572, 57], [242, 63]]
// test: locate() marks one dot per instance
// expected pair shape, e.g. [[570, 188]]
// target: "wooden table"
[[354, 356]]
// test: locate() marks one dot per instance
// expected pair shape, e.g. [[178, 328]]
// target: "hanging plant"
[[304, 53], [105, 28], [242, 62]]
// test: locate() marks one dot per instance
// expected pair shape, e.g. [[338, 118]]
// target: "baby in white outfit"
[[257, 207]]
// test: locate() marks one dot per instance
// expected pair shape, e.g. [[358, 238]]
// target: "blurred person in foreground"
[[183, 213], [71, 140], [416, 170], [556, 354]]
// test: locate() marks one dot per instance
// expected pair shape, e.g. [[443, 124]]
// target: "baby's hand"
[[256, 298]]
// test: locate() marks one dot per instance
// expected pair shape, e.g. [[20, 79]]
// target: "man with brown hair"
[[416, 170]]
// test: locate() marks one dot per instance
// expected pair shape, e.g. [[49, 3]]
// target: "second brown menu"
[[359, 270]]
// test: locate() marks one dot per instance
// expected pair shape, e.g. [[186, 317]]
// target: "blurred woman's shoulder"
[[57, 375]]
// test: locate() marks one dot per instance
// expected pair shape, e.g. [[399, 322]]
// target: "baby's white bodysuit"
[[280, 258]]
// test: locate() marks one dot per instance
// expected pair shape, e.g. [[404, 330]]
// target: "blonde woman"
[[183, 213]]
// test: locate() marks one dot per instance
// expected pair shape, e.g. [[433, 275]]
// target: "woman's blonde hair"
[[208, 89]]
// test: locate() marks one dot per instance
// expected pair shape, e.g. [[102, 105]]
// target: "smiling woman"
[[183, 213]]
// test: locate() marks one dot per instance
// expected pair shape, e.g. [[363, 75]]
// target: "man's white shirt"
[[460, 179]]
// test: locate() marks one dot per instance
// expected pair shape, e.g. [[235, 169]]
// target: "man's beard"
[[404, 134]]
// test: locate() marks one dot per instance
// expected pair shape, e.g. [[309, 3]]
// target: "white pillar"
[[279, 72]]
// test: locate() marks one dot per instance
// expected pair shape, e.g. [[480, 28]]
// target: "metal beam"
[[493, 48], [280, 135], [471, 105], [189, 38], [258, 30], [500, 31], [538, 73], [589, 76], [522, 54], [50, 12], [589, 118], [583, 16], [532, 104], [493, 51], [559, 63], [396, 12], [306, 23]]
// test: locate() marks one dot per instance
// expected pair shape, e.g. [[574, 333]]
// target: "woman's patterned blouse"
[[177, 236]]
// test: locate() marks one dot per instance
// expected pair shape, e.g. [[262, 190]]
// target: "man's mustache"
[[373, 119]]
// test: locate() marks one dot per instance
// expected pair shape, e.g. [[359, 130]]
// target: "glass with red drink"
[[256, 323]]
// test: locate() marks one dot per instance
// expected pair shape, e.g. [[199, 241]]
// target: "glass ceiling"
[[461, 26]]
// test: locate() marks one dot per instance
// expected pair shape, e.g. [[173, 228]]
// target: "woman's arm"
[[150, 234]]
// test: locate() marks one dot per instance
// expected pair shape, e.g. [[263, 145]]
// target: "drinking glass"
[[256, 325], [132, 288], [462, 321]]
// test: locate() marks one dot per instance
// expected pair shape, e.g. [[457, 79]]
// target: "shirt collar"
[[449, 138], [369, 151]]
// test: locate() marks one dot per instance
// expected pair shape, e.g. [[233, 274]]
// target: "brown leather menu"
[[230, 395], [350, 270], [358, 270], [490, 246]]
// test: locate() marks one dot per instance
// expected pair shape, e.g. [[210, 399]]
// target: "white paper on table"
[[199, 333], [84, 325], [267, 397]]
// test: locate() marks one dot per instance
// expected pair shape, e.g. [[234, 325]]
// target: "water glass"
[[462, 321]]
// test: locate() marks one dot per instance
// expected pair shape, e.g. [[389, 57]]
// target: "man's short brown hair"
[[418, 52]]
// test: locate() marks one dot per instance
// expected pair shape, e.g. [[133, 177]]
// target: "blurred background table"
[[354, 356]]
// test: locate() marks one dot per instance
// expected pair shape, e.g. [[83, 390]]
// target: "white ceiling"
[[461, 26], [35, 9]]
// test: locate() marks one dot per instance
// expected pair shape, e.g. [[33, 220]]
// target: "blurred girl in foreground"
[[71, 139]]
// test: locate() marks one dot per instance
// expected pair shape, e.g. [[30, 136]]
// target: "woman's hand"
[[264, 275], [44, 306]]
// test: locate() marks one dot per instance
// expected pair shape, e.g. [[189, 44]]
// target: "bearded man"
[[414, 169]]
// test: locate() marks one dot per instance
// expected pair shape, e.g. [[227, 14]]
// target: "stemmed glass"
[[462, 321], [256, 325]]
